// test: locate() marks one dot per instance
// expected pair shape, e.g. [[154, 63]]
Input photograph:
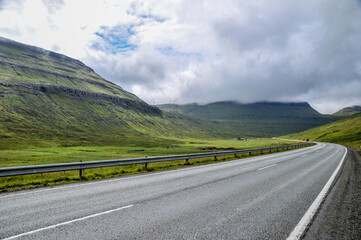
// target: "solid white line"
[[68, 222], [300, 228], [259, 169]]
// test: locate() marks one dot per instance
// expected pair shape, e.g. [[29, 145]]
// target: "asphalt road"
[[340, 213], [256, 198]]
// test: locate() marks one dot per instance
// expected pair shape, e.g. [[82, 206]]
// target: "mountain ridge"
[[260, 119], [348, 111], [24, 63]]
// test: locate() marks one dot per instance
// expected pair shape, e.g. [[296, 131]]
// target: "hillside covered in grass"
[[48, 99], [263, 119], [346, 131], [348, 111], [22, 64]]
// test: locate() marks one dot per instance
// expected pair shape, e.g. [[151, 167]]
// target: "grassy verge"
[[57, 155], [36, 156], [346, 132]]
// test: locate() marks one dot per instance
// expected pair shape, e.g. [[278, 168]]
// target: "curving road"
[[256, 198]]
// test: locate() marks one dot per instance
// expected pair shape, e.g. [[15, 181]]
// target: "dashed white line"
[[68, 222], [259, 169]]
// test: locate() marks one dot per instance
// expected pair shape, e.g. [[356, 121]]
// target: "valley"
[[55, 109]]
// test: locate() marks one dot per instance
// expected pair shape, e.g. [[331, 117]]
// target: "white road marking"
[[299, 230], [68, 222], [259, 169]]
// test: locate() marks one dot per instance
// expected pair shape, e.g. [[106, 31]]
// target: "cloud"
[[53, 5], [203, 51]]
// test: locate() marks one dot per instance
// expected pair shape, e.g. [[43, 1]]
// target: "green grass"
[[346, 132], [34, 156]]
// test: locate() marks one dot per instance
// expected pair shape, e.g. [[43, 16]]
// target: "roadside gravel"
[[340, 215]]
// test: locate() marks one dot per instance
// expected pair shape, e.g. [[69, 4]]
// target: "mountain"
[[348, 111], [25, 65], [262, 119], [48, 99], [346, 131]]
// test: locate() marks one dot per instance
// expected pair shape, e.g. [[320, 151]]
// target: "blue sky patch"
[[115, 39], [169, 51], [152, 17]]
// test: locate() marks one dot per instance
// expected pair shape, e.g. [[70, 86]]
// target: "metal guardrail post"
[[80, 171], [146, 164]]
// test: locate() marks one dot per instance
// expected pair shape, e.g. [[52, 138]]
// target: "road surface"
[[261, 197]]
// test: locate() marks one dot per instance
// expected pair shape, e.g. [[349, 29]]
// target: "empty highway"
[[261, 197]]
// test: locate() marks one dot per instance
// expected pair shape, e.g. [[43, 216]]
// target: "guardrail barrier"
[[34, 169]]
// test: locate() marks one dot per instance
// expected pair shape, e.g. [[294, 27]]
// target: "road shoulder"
[[340, 214]]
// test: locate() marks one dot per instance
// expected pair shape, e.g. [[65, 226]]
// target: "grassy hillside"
[[20, 63], [48, 99], [263, 119], [47, 115], [349, 111], [346, 131]]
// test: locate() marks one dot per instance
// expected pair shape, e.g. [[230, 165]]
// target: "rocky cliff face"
[[47, 90]]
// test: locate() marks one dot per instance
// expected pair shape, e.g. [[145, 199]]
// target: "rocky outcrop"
[[81, 95]]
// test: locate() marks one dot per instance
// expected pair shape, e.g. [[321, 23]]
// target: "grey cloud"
[[273, 51], [333, 38], [145, 67]]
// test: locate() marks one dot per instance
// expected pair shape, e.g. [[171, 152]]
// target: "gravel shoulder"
[[340, 215]]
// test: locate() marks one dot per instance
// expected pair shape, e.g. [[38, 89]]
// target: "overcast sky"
[[186, 51]]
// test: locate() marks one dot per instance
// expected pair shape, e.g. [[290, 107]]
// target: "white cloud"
[[202, 51]]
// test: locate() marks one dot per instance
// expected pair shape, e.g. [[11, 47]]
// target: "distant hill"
[[346, 131], [262, 119], [48, 99], [349, 111]]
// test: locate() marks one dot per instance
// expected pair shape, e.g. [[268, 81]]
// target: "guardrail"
[[34, 169]]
